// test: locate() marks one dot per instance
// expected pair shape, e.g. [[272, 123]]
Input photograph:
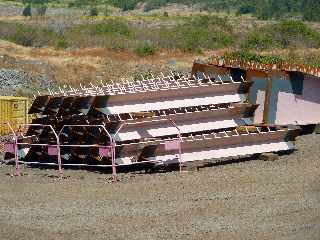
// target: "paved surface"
[[248, 200]]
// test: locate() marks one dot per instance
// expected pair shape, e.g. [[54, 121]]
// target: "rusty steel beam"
[[196, 121], [53, 106], [284, 67], [232, 139], [39, 104], [211, 94]]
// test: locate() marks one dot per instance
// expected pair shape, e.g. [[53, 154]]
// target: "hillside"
[[67, 44], [263, 9]]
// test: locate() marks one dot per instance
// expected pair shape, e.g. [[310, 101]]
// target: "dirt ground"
[[247, 200]]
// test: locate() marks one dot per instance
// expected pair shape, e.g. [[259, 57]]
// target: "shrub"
[[282, 35], [291, 30], [111, 33], [311, 10], [146, 49], [154, 4], [201, 32], [107, 11], [125, 5], [41, 10], [253, 57], [111, 27], [93, 12], [247, 8], [78, 3], [27, 36], [27, 11], [259, 40], [62, 44]]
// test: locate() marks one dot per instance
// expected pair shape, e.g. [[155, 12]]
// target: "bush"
[[284, 34], [260, 40], [201, 32], [311, 10], [27, 36], [112, 27], [111, 33], [93, 12], [146, 49], [62, 44], [154, 4], [107, 11], [125, 5], [247, 8], [253, 57], [41, 10], [78, 3], [27, 11]]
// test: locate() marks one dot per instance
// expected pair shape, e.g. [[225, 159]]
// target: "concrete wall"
[[292, 101]]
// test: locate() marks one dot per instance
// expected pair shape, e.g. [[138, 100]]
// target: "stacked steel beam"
[[168, 119]]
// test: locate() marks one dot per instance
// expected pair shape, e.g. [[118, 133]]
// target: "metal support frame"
[[165, 119], [15, 148], [112, 146], [152, 84], [180, 141], [57, 146]]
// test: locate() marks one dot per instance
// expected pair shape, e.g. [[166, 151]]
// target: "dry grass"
[[92, 64]]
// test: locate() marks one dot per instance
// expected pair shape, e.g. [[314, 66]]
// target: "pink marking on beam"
[[172, 145]]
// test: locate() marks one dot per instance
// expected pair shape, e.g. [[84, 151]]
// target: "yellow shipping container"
[[13, 110]]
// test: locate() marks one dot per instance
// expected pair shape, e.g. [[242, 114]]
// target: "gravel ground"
[[247, 200], [14, 79]]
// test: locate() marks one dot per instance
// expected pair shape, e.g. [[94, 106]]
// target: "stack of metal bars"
[[161, 120]]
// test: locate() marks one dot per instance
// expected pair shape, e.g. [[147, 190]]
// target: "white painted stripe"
[[125, 136], [187, 102], [187, 128], [124, 161], [227, 152]]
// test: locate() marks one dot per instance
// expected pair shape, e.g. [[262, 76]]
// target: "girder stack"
[[163, 120]]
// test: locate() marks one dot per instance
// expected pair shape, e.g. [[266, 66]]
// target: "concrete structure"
[[285, 96]]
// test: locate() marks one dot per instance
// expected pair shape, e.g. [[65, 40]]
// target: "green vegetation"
[[193, 34], [94, 12], [40, 6], [112, 34], [207, 32], [125, 5], [62, 44], [147, 34], [285, 34], [27, 36], [190, 34], [112, 27], [145, 49], [253, 57], [311, 10], [263, 9], [293, 58], [27, 11]]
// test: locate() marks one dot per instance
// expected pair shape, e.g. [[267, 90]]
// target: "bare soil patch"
[[248, 200]]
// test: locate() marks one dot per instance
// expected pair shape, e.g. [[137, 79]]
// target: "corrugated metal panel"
[[13, 110]]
